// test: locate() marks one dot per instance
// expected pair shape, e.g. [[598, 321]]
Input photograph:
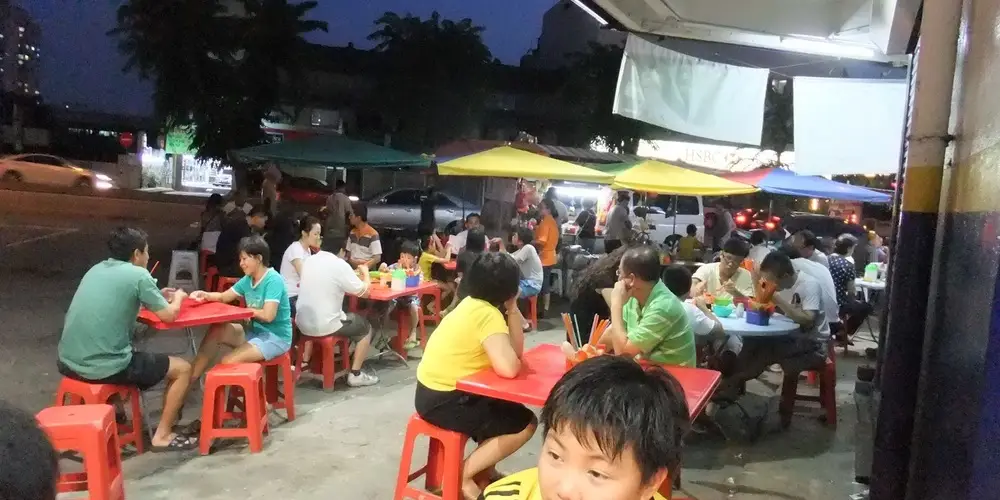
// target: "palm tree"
[[218, 73], [432, 84]]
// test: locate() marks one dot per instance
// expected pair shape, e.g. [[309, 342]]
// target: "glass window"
[[688, 205], [403, 197]]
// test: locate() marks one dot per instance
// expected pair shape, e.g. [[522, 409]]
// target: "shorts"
[[412, 300], [794, 354], [269, 344], [355, 327], [144, 371], [546, 279], [530, 288], [478, 417]]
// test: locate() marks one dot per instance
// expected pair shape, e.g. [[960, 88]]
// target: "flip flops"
[[178, 443]]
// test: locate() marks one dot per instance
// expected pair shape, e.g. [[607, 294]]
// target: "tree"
[[219, 73], [588, 96], [432, 83]]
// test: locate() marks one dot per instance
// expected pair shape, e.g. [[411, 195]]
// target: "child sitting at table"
[[435, 252], [611, 430], [408, 260], [269, 333], [529, 262], [690, 248], [477, 336]]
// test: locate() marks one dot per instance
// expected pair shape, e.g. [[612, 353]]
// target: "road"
[[42, 259]]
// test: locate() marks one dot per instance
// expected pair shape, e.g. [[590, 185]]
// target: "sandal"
[[178, 443], [192, 429]]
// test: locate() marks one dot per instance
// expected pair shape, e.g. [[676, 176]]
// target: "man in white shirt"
[[457, 242], [809, 246], [800, 298], [726, 276], [325, 280], [822, 276]]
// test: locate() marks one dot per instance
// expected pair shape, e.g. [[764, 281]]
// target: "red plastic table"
[[544, 365], [385, 294], [194, 313]]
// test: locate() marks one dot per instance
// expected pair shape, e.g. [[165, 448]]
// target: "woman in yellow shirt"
[[477, 336], [546, 241]]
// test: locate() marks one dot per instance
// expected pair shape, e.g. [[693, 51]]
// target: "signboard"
[[727, 158], [179, 142]]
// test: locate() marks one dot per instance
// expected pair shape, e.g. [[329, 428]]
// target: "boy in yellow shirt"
[[612, 431], [690, 248]]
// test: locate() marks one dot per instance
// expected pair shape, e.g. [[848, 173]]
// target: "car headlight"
[[103, 185], [102, 177]]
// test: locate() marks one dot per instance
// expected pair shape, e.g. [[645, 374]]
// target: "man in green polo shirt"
[[96, 343], [647, 319]]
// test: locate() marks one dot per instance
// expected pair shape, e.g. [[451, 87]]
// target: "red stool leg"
[[136, 420], [327, 358], [403, 477], [256, 418]]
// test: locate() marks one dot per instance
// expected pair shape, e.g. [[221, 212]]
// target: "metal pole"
[[934, 73]]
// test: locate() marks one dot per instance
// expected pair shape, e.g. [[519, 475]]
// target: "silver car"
[[400, 209]]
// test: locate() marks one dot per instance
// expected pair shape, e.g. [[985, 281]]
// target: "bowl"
[[723, 301], [722, 311]]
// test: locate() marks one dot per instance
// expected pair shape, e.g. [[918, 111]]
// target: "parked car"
[[304, 190], [400, 209], [52, 171], [663, 223]]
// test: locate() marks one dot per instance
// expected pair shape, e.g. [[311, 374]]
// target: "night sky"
[[81, 65]]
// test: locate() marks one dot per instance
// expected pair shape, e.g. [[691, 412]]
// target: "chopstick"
[[570, 332], [598, 330], [153, 270]]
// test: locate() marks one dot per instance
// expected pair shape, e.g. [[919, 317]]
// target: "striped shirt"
[[363, 243], [661, 329]]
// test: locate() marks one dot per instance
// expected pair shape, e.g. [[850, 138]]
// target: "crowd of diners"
[[657, 314]]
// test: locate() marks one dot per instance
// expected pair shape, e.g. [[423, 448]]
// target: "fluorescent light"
[[828, 48], [578, 191], [590, 11]]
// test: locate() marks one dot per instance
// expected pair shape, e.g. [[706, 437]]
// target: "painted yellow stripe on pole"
[[922, 189], [974, 183]]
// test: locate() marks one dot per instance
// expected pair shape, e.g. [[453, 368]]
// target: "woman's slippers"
[[178, 443], [193, 429]]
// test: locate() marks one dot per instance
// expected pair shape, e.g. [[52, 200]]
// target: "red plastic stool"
[[76, 392], [533, 311], [244, 380], [323, 360], [89, 430], [225, 283], [443, 471], [280, 401], [435, 294], [203, 261], [827, 394]]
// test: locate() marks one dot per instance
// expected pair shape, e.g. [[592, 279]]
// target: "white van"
[[661, 220]]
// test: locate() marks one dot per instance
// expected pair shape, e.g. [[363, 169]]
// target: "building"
[[568, 30], [20, 40]]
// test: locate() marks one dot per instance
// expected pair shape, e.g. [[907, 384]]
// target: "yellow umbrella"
[[506, 161], [653, 176]]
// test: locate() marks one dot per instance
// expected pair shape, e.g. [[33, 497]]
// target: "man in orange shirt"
[[546, 240]]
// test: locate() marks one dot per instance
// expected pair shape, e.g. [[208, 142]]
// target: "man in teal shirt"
[[647, 319], [96, 344]]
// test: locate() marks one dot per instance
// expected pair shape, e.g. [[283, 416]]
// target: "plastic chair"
[[323, 360], [443, 471], [533, 311], [827, 397], [225, 283], [246, 381], [556, 275], [284, 399], [89, 430], [76, 392]]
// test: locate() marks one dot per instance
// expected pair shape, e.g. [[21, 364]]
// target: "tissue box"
[[758, 318], [412, 281]]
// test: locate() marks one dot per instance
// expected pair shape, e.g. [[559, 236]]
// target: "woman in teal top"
[[269, 333]]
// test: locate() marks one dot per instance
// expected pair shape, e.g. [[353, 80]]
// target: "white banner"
[[848, 126], [690, 95]]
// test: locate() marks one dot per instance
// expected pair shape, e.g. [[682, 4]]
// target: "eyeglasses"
[[728, 257]]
